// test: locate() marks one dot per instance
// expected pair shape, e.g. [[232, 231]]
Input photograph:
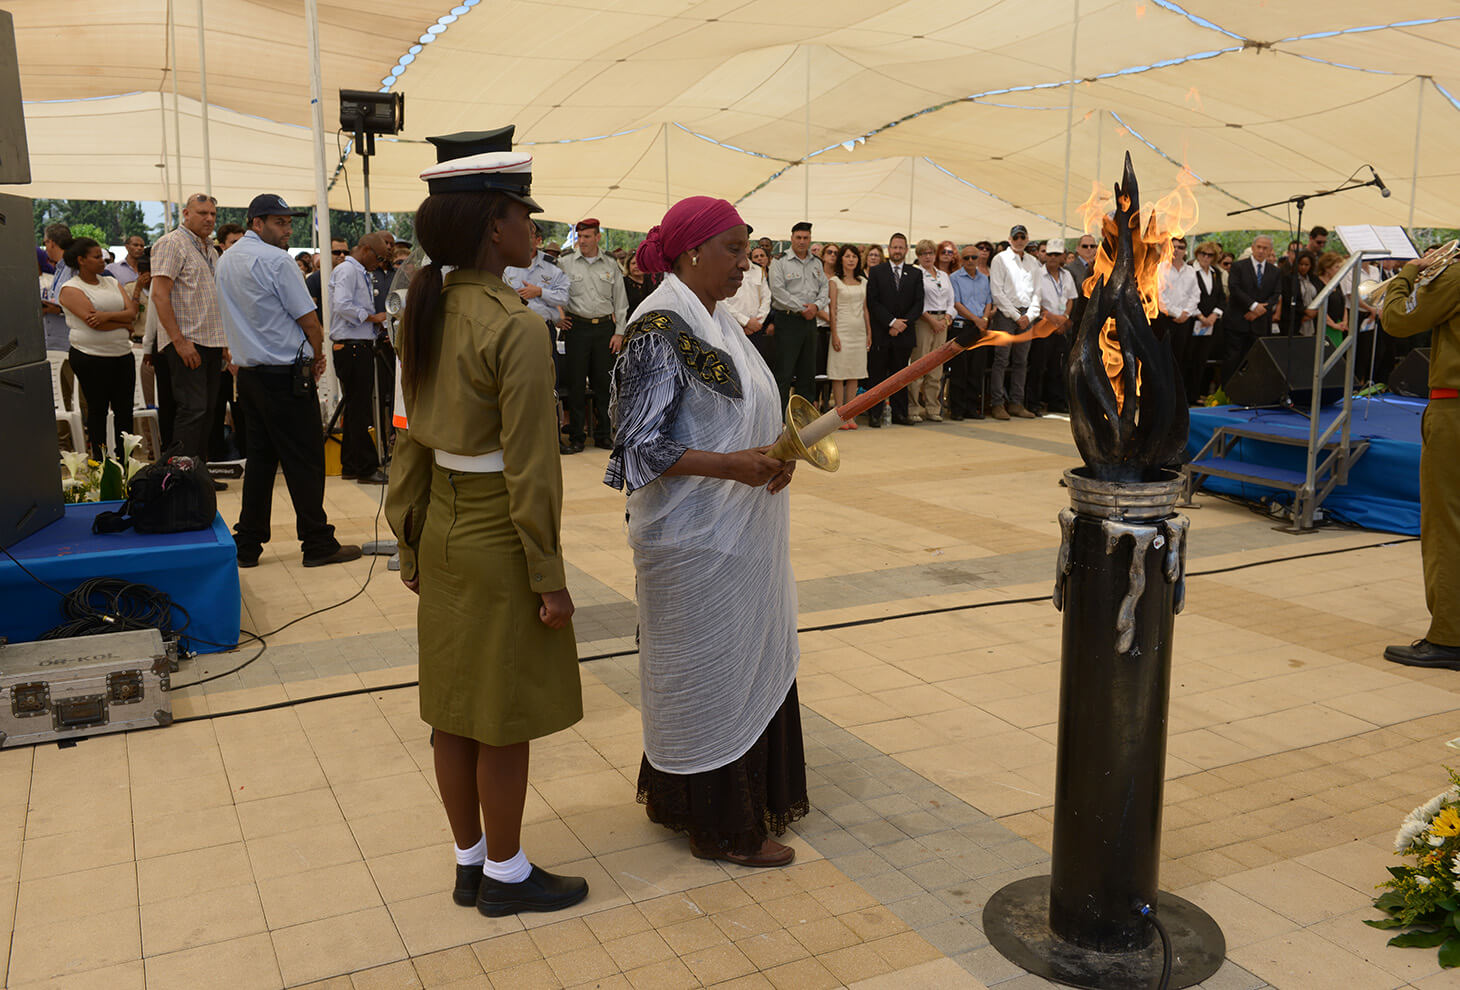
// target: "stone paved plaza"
[[270, 840]]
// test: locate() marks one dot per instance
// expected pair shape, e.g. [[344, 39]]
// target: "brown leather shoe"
[[770, 854], [998, 412], [1018, 411]]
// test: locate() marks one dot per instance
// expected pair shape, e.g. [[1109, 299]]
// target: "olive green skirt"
[[489, 669]]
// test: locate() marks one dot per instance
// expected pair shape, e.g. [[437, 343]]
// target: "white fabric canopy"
[[819, 108]]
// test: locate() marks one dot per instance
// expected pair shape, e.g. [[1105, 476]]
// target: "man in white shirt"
[[1012, 276], [1178, 296], [1045, 389], [752, 303]]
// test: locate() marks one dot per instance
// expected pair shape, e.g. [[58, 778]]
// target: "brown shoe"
[[772, 853], [998, 412], [1018, 411], [344, 554]]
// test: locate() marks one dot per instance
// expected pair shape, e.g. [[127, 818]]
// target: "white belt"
[[479, 464]]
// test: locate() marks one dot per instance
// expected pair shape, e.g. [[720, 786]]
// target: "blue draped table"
[[1383, 487], [197, 570]]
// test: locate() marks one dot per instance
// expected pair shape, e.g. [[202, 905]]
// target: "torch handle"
[[919, 368]]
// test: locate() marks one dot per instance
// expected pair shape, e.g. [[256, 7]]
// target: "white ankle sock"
[[474, 856], [514, 870]]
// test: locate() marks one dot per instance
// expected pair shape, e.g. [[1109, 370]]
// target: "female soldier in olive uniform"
[[476, 502]]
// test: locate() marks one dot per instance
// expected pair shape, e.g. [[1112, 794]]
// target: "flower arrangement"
[[1423, 897], [87, 480]]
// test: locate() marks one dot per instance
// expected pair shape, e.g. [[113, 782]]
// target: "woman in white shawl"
[[694, 409]]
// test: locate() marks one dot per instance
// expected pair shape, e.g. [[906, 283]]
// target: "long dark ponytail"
[[454, 230]]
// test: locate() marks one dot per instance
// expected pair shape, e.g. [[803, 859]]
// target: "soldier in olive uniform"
[[1411, 309]]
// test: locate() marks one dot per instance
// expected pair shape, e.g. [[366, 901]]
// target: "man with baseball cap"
[[598, 305], [1013, 282], [277, 344]]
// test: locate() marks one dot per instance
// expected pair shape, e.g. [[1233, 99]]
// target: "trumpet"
[[1372, 292]]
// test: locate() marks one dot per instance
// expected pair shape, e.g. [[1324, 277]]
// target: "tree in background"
[[115, 219]]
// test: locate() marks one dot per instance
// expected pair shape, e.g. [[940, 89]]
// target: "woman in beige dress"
[[851, 330]]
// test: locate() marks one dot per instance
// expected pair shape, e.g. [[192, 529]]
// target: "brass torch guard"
[[822, 453]]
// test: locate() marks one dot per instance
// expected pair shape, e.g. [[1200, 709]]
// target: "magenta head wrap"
[[689, 223]]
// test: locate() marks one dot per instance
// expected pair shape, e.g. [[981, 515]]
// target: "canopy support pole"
[[806, 158], [166, 173], [176, 112], [1070, 119], [912, 185], [1099, 137], [1419, 112], [667, 203], [203, 100], [321, 185]]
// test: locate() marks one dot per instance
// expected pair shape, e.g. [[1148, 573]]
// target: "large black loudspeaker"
[[30, 484], [1278, 370], [14, 157], [1412, 376], [22, 339], [30, 479]]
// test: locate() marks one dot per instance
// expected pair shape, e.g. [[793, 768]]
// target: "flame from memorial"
[[1128, 409]]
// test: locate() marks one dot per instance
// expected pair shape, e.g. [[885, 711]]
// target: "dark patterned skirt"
[[734, 808]]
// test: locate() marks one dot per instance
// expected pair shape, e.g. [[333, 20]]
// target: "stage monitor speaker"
[[30, 484], [22, 336], [1412, 376], [14, 156], [1278, 370]]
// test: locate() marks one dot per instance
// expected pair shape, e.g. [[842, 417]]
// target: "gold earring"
[[694, 259]]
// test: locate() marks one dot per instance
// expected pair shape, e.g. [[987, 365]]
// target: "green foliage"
[[92, 231], [115, 220], [1422, 895]]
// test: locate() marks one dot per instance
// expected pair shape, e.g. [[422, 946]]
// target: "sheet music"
[[1393, 242]]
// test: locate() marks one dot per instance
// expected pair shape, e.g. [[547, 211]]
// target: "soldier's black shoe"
[[1423, 653], [541, 891], [468, 884]]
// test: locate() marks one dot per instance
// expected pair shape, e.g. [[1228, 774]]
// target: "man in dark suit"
[[1254, 286], [894, 302]]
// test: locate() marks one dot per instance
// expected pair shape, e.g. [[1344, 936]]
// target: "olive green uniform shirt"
[[487, 384], [1408, 311], [596, 287]]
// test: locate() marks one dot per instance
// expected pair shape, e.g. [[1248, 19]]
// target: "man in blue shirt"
[[972, 304], [277, 344], [354, 330], [542, 285]]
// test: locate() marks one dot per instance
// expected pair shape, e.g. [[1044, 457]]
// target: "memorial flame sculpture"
[[1119, 581]]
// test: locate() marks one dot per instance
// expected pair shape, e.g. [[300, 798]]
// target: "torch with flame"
[[1128, 408]]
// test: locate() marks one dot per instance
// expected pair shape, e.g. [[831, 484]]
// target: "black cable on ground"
[[1144, 910], [807, 629]]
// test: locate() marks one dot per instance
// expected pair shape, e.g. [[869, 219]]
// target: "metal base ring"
[[1016, 922]]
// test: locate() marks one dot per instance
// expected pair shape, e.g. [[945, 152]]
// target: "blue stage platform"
[[1383, 487], [198, 570]]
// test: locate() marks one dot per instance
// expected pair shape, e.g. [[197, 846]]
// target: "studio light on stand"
[[364, 114]]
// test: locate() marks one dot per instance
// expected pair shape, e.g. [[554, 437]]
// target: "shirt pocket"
[[792, 273]]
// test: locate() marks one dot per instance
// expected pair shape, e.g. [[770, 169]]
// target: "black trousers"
[[965, 383], [1179, 335], [195, 394], [355, 368], [1196, 377], [219, 447], [283, 431], [162, 395], [106, 383], [589, 363], [795, 356], [1044, 383], [888, 356]]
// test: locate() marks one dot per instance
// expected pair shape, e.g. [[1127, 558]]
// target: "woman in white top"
[[752, 302], [99, 317], [924, 399], [851, 330]]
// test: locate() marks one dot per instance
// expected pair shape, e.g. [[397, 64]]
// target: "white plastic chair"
[[69, 429], [144, 418]]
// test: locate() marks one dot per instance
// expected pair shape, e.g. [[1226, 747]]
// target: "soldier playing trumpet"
[[1425, 295]]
